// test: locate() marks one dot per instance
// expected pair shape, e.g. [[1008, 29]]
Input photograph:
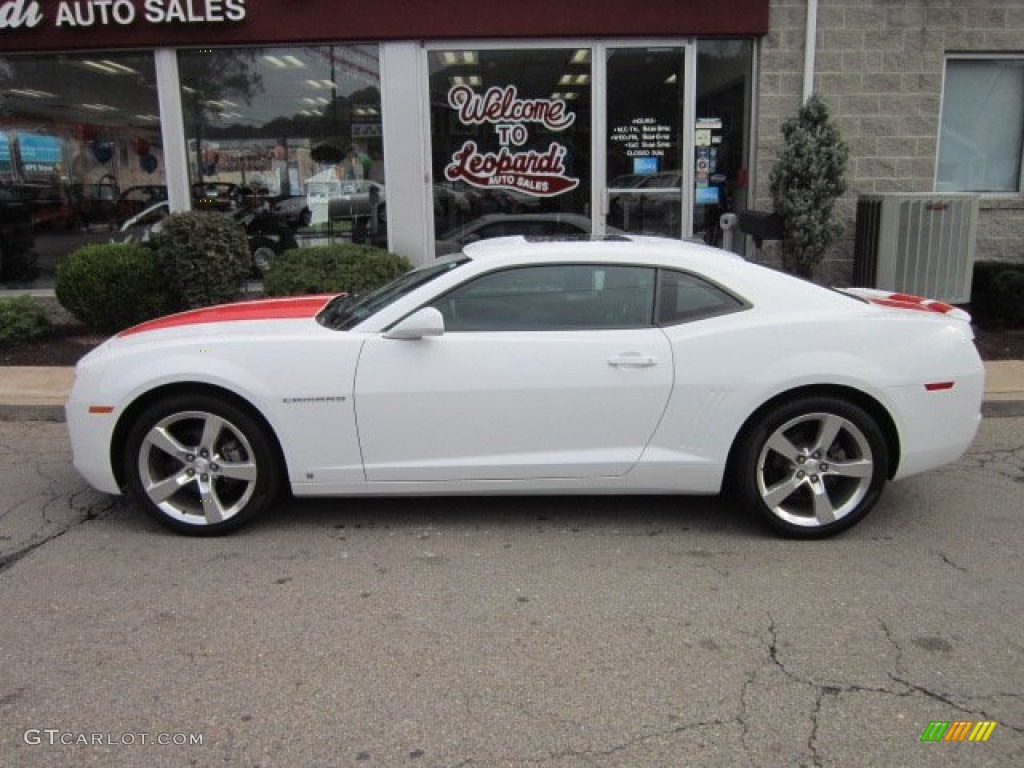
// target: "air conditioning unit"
[[917, 243]]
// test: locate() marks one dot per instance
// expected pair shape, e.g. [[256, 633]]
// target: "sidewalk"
[[38, 394]]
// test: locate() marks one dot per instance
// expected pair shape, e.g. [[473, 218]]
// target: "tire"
[[812, 467], [200, 466]]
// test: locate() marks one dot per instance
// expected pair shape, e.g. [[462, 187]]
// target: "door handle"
[[632, 360]]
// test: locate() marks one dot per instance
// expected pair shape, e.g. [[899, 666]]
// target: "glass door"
[[646, 154]]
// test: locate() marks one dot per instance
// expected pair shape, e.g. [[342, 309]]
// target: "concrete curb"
[[31, 412], [1002, 409]]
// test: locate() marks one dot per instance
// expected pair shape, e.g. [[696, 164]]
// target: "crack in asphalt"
[[741, 717], [823, 692], [589, 755], [812, 737], [50, 502], [945, 558], [896, 676], [776, 662], [94, 511], [1006, 463], [909, 688]]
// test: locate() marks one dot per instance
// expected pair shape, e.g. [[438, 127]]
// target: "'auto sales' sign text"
[[28, 14], [541, 173]]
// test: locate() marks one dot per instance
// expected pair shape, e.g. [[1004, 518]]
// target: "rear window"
[[683, 298]]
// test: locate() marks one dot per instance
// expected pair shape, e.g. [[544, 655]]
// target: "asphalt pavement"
[[573, 632]]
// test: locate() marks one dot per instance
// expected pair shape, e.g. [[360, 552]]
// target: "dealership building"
[[418, 126]]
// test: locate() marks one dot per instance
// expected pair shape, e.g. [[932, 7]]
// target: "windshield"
[[347, 311]]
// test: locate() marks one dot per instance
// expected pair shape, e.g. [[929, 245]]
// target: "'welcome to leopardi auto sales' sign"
[[538, 173], [29, 14]]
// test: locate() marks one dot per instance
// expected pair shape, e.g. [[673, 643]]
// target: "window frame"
[[979, 57]]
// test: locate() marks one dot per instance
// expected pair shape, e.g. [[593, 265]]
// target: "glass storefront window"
[[511, 144], [78, 133], [721, 134], [293, 134]]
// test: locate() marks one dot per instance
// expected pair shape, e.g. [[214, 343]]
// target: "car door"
[[547, 371]]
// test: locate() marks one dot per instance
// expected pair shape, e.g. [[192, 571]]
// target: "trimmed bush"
[[22, 320], [332, 269], [111, 286], [203, 256], [808, 177], [997, 294]]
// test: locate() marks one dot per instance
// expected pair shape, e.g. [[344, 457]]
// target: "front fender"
[[303, 390]]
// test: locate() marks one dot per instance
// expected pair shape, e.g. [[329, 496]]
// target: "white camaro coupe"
[[623, 365]]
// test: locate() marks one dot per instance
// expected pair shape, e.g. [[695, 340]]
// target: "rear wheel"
[[813, 467], [200, 465]]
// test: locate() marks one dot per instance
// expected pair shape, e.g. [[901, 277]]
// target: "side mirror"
[[420, 324]]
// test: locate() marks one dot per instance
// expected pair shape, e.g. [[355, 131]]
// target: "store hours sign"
[[541, 173], [32, 14]]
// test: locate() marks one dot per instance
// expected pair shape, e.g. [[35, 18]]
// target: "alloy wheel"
[[815, 469], [197, 468]]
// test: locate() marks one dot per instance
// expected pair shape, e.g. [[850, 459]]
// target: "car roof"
[[611, 247], [490, 218], [487, 219]]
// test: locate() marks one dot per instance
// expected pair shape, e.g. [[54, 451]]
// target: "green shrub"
[[997, 294], [332, 269], [111, 286], [808, 177], [204, 258], [21, 320]]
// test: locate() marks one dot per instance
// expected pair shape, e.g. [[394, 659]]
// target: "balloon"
[[148, 163], [103, 151]]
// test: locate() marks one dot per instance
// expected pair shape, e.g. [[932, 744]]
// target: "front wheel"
[[200, 465], [813, 467]]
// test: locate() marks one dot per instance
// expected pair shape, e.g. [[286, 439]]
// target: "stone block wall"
[[879, 66]]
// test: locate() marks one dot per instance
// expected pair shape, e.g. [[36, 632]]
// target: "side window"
[[683, 298], [552, 297]]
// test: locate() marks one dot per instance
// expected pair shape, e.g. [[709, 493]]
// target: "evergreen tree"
[[808, 177]]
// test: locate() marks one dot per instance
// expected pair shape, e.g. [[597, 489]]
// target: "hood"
[[291, 308], [906, 301]]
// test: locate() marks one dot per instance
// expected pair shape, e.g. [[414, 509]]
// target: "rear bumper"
[[937, 427]]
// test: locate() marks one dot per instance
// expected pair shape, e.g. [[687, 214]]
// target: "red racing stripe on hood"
[[292, 308]]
